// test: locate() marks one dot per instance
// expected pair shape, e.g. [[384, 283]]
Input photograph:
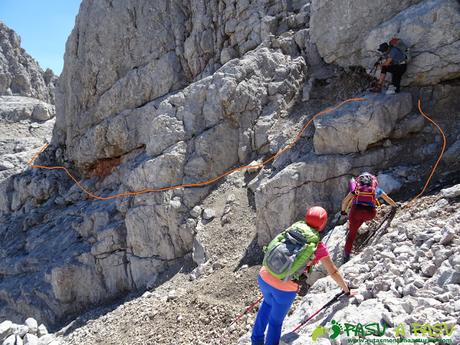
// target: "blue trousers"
[[272, 312]]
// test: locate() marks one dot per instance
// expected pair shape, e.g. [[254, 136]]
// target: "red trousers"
[[358, 215]]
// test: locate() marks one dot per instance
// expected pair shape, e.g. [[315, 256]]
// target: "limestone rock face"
[[124, 54], [222, 106], [20, 74], [25, 125], [190, 136], [162, 138], [321, 178], [355, 127], [434, 43], [19, 108], [353, 32], [158, 94]]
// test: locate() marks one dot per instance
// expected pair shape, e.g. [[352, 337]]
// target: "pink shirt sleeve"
[[321, 252]]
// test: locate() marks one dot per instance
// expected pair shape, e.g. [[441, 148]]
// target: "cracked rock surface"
[[156, 94], [354, 32]]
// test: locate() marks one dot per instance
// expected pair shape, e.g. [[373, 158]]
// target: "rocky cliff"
[[160, 94], [430, 28], [20, 74], [26, 104]]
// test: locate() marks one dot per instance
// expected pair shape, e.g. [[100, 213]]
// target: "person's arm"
[[333, 271], [387, 61], [389, 200], [346, 203], [388, 57]]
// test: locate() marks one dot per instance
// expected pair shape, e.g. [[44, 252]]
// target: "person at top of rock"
[[287, 258], [361, 200], [394, 60]]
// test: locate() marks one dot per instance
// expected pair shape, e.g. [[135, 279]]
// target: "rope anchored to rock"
[[435, 166], [197, 184], [244, 167]]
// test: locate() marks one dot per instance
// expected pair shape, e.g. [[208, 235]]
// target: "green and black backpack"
[[287, 255]]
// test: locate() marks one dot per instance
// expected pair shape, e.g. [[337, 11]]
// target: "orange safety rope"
[[255, 166], [336, 297], [440, 155], [189, 185]]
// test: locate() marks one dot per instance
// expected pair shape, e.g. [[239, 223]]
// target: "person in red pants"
[[362, 201]]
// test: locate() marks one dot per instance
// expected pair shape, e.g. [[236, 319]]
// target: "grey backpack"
[[288, 253]]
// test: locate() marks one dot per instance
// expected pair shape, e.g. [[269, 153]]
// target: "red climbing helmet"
[[394, 41], [316, 217]]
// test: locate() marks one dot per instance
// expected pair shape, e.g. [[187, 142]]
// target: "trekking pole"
[[247, 310], [328, 304], [368, 240], [376, 65], [373, 70]]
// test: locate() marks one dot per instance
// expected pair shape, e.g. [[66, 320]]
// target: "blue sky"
[[43, 26]]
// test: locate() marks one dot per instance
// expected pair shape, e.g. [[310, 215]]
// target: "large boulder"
[[18, 108], [356, 126], [283, 197], [352, 33]]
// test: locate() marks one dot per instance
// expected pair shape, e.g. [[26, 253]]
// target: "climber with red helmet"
[[287, 257], [362, 200]]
